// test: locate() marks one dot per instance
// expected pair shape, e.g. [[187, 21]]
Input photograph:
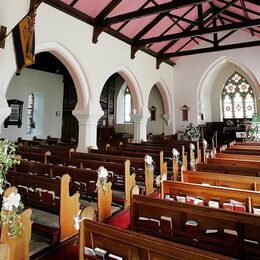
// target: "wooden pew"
[[132, 245], [229, 169], [19, 246], [185, 230], [234, 162], [238, 156], [225, 180], [242, 151], [63, 204], [84, 180], [157, 157], [249, 199], [32, 156]]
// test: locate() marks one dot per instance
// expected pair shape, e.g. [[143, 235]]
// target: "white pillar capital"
[[87, 129], [140, 122]]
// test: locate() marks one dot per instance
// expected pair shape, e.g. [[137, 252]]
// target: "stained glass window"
[[30, 122], [128, 105], [238, 99]]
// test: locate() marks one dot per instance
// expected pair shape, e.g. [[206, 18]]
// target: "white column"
[[140, 127], [4, 109], [87, 129]]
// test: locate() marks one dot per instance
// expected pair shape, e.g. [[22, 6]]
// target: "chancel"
[[129, 129]]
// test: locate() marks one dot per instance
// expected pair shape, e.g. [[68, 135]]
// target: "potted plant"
[[192, 132]]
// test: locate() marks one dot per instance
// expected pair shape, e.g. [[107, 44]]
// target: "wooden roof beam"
[[177, 4], [246, 14], [209, 49], [194, 33], [108, 9]]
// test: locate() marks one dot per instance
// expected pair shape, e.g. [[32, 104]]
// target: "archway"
[[77, 74], [211, 84]]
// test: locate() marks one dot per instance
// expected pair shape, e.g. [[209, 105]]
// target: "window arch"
[[128, 106], [238, 100], [30, 124]]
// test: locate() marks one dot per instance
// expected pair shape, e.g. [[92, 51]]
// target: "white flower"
[[11, 201], [205, 142], [148, 160], [175, 154], [192, 147], [102, 172], [192, 164], [158, 181]]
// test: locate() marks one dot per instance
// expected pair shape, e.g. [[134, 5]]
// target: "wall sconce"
[[153, 113], [185, 109]]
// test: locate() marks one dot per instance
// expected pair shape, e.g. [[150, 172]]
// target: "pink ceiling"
[[168, 24]]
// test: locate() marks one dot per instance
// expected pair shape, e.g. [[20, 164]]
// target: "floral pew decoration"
[[192, 157], [7, 160], [175, 164], [15, 227], [104, 194], [149, 172]]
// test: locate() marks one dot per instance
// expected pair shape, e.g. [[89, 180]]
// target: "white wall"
[[198, 88], [158, 126], [96, 62], [48, 90]]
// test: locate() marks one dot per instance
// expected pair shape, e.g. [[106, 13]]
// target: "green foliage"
[[192, 132], [12, 220], [7, 160]]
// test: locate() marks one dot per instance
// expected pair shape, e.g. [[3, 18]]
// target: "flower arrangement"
[[7, 160], [193, 164], [175, 154], [254, 132], [9, 215], [102, 177], [149, 161], [192, 147], [192, 132]]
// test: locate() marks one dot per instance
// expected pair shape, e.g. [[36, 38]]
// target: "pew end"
[[19, 246]]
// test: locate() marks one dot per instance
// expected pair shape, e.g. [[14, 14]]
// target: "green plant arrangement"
[[192, 132], [11, 205], [254, 132], [7, 160]]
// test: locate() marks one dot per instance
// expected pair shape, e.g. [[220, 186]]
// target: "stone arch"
[[218, 72], [133, 85], [166, 97], [72, 65]]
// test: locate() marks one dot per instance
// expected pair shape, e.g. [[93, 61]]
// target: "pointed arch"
[[132, 84], [72, 65], [166, 97], [212, 82]]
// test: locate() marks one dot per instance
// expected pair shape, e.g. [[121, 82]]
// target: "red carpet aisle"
[[121, 220]]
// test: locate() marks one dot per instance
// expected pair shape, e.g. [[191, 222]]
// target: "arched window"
[[128, 105], [238, 99], [30, 122]]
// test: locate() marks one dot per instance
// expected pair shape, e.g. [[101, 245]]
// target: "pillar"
[[140, 127], [87, 129]]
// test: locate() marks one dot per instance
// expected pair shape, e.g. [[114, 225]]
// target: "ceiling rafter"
[[125, 23], [210, 49], [240, 7], [135, 47], [194, 33], [101, 26], [73, 2], [177, 4], [108, 9], [99, 29], [71, 11], [246, 14]]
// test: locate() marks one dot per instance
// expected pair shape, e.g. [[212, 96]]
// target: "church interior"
[[129, 129]]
